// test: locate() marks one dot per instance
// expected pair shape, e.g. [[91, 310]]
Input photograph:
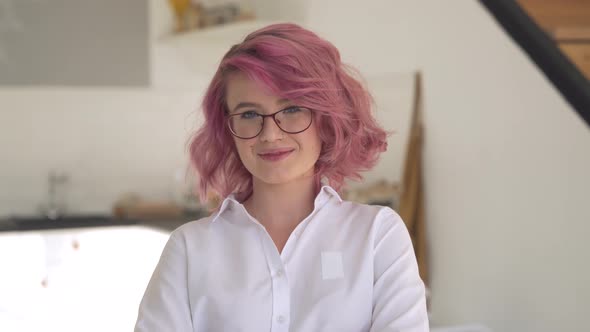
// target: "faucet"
[[56, 200]]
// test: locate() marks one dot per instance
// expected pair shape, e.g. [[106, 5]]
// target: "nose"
[[270, 131]]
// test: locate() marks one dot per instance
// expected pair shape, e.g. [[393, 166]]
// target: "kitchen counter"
[[59, 279], [82, 221]]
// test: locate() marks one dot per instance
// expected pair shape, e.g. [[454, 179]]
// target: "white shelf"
[[191, 58]]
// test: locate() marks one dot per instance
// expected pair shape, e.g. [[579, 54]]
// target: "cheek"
[[318, 149], [314, 142], [244, 148]]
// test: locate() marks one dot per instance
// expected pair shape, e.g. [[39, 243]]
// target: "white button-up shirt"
[[346, 267]]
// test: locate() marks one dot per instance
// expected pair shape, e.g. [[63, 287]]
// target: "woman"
[[285, 126]]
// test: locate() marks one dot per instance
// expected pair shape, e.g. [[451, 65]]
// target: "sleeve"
[[165, 304], [399, 300]]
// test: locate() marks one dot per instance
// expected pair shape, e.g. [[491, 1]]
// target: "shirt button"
[[279, 273], [281, 319]]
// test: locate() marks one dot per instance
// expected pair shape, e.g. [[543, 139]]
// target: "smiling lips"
[[275, 154]]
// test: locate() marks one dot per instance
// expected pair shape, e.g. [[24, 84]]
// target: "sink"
[[24, 223]]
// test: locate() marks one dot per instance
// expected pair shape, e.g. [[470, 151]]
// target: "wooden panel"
[[551, 14], [572, 34], [579, 53]]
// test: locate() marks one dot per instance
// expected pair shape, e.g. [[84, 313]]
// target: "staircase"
[[568, 23]]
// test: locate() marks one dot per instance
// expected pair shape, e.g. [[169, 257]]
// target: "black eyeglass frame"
[[273, 116]]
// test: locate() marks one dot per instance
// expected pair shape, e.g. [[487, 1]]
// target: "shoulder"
[[379, 221], [192, 229], [377, 215]]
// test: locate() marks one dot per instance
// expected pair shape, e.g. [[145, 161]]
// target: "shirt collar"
[[230, 204]]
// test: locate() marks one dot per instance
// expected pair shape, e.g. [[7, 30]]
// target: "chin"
[[275, 179], [277, 175]]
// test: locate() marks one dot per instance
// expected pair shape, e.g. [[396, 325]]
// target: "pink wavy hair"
[[295, 64]]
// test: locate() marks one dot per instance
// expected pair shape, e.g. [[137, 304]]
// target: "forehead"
[[240, 88]]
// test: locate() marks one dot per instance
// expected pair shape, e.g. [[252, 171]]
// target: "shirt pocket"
[[332, 266]]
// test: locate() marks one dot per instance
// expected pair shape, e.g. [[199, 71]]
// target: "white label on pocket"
[[332, 265]]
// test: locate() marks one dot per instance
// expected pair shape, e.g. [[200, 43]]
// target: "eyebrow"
[[281, 101]]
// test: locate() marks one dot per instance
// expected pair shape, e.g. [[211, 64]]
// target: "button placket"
[[281, 297]]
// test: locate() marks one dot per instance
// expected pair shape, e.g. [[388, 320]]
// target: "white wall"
[[108, 141], [506, 162]]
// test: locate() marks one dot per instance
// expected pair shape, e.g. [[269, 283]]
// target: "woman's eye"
[[248, 115], [292, 110]]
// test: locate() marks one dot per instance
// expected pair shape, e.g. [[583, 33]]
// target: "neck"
[[282, 206]]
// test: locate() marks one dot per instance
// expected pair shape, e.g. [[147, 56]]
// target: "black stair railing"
[[543, 51]]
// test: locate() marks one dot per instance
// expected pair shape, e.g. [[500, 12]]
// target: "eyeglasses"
[[249, 124]]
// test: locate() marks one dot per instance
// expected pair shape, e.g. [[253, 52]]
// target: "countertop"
[[12, 224]]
